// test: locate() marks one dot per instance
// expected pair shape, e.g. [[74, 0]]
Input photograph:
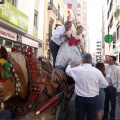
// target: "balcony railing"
[[48, 37], [60, 18], [53, 8], [55, 11]]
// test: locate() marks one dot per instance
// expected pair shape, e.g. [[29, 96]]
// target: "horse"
[[36, 90]]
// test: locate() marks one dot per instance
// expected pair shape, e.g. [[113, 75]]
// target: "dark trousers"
[[110, 96], [85, 105], [5, 115], [54, 50]]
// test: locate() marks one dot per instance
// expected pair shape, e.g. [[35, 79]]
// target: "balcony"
[[60, 18], [53, 8]]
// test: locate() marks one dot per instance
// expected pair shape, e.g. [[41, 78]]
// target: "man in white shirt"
[[88, 80], [58, 38], [113, 78]]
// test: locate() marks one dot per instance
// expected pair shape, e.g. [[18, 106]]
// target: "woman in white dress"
[[71, 49]]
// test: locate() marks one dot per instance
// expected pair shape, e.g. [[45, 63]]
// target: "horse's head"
[[20, 74], [13, 74], [44, 82]]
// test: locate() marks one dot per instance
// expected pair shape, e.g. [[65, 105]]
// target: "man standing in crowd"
[[113, 78], [58, 38], [88, 80]]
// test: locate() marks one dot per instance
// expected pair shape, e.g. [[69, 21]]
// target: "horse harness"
[[38, 82]]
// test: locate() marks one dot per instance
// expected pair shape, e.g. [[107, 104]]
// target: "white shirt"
[[108, 74], [57, 36], [113, 71], [88, 80]]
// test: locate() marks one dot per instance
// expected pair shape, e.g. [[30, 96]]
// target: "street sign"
[[108, 38], [1, 1]]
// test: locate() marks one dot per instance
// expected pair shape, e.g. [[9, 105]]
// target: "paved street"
[[72, 111]]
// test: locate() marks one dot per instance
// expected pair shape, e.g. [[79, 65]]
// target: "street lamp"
[[1, 1]]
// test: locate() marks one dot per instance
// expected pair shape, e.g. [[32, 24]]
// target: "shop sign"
[[29, 42], [7, 34], [11, 14]]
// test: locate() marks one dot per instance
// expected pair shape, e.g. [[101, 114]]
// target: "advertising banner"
[[11, 14]]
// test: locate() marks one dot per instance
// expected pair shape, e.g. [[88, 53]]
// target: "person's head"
[[86, 58], [101, 67], [79, 29], [68, 25], [112, 60]]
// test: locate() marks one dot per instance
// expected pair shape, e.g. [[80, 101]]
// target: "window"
[[24, 48], [13, 2], [36, 19], [8, 44]]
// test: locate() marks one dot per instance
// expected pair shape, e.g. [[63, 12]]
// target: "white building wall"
[[27, 7], [41, 19], [41, 23]]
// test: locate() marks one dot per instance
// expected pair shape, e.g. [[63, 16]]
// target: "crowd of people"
[[96, 86]]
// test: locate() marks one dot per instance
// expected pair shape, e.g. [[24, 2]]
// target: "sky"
[[94, 21]]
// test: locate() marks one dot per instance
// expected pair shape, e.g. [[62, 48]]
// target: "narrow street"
[[71, 111]]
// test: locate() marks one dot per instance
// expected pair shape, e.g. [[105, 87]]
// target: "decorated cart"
[[32, 89]]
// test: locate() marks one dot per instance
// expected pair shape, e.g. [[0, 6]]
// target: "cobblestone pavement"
[[71, 111]]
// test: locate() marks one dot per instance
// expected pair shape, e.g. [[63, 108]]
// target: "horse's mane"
[[20, 59]]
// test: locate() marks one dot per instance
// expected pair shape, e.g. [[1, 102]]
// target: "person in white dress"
[[71, 49]]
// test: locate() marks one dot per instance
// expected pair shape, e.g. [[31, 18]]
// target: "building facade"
[[56, 13], [112, 26], [19, 24], [79, 8], [82, 18]]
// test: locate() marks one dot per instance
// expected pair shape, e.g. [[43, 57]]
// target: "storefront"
[[11, 39], [7, 38], [27, 42], [14, 28]]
